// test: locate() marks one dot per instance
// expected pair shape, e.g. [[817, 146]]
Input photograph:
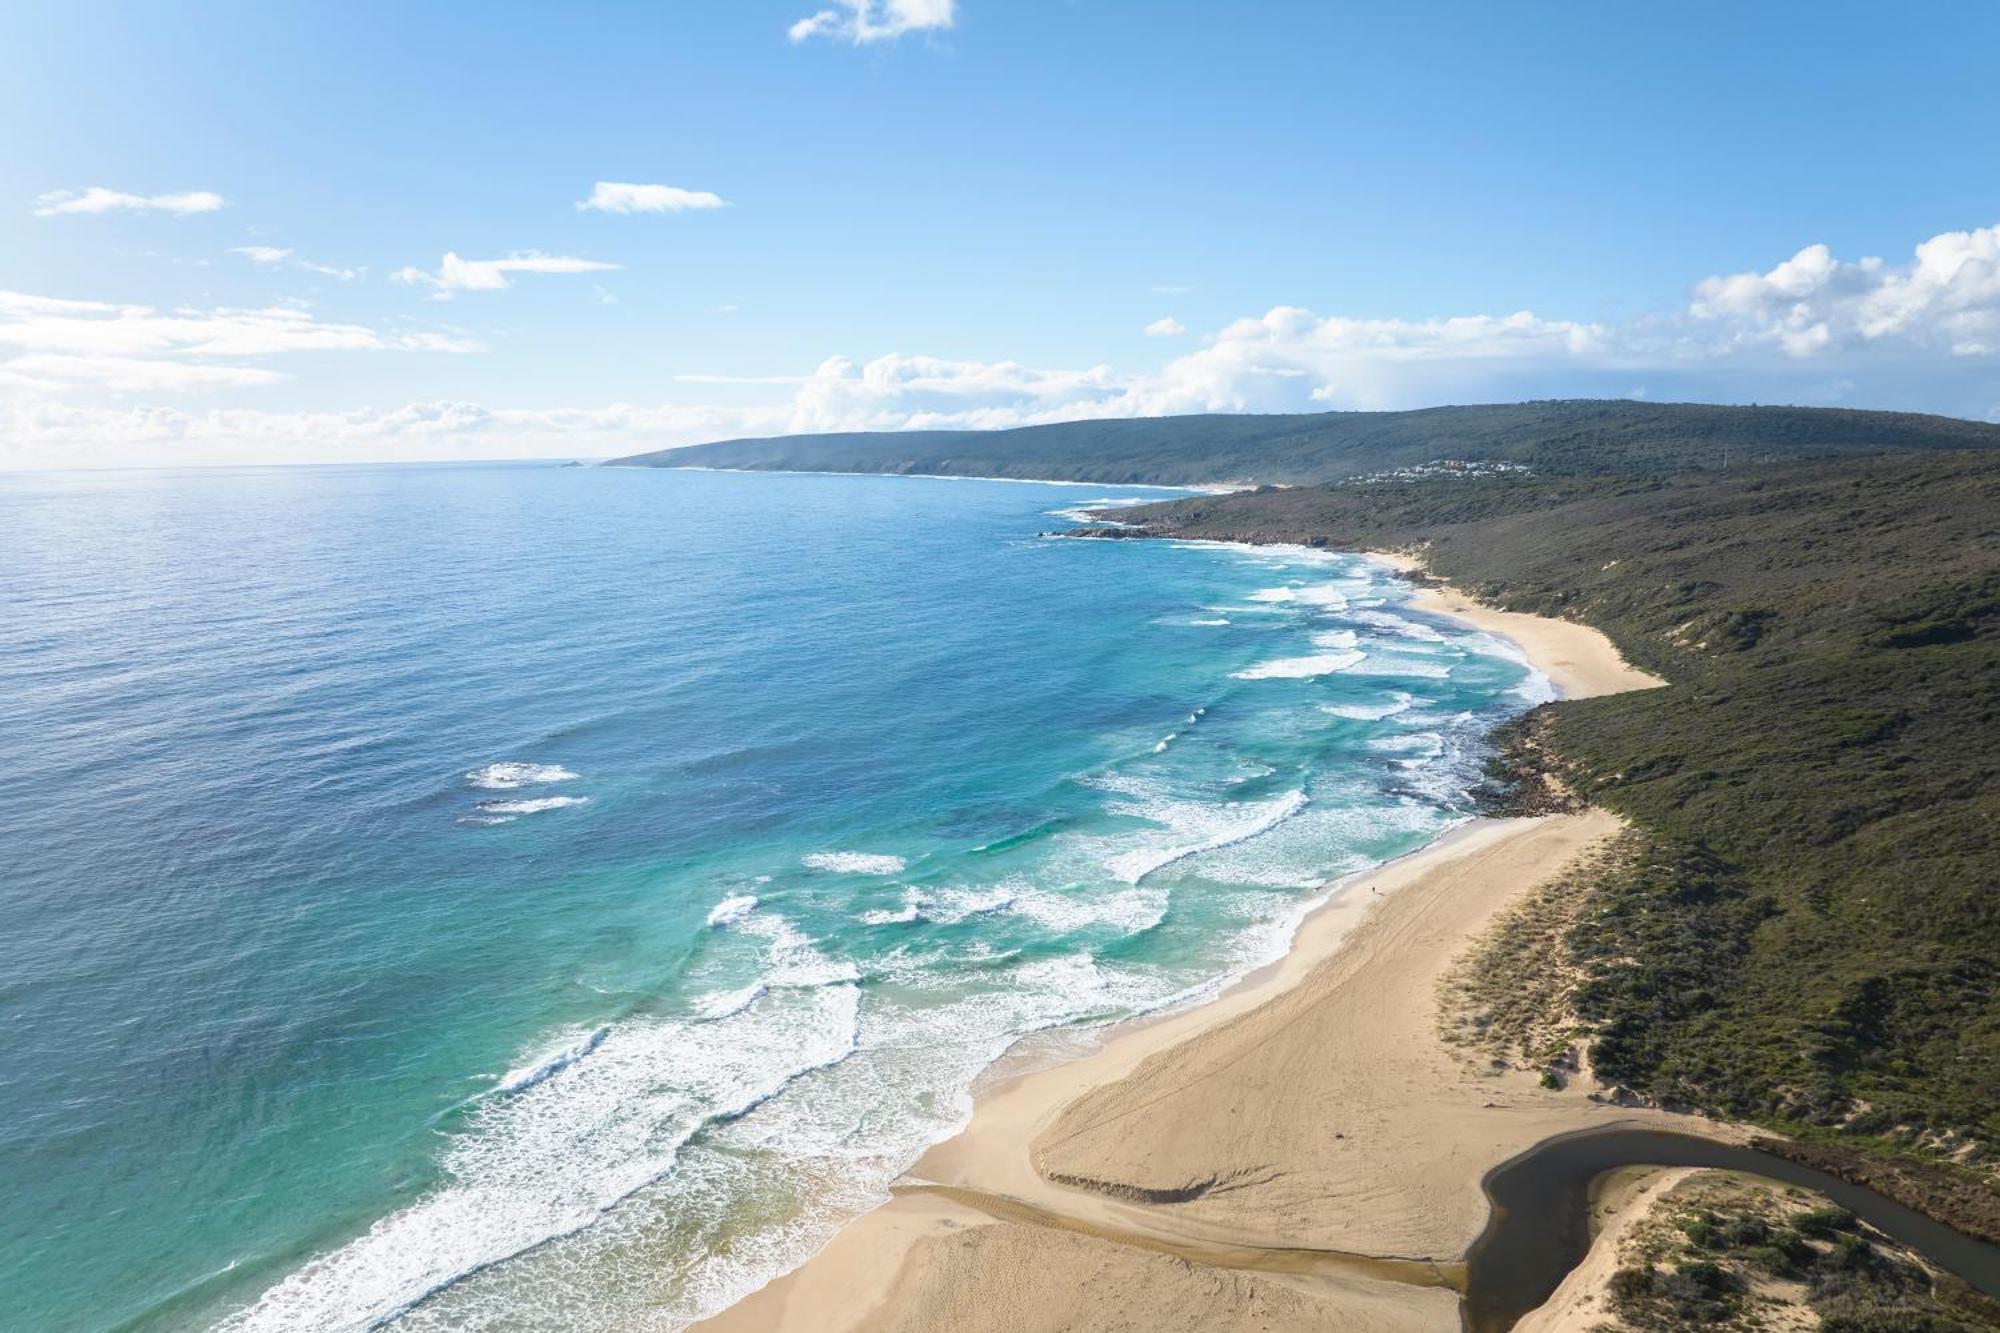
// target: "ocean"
[[514, 896]]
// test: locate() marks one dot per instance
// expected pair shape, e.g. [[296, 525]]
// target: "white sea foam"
[[1245, 820], [1128, 913], [546, 1066], [1325, 596], [946, 907], [723, 1004], [533, 805], [1427, 743], [792, 959], [1336, 638], [1389, 622], [908, 912], [507, 776], [1210, 620], [1383, 664], [732, 909], [1300, 668], [552, 1158], [1398, 703], [855, 863]]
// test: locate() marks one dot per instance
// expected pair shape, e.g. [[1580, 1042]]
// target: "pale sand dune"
[[1302, 1152]]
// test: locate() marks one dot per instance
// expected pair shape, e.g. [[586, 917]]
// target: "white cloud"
[[49, 344], [925, 392], [271, 255], [48, 433], [128, 374], [864, 21], [1947, 298], [1165, 327], [97, 199], [490, 275], [623, 197], [1920, 334]]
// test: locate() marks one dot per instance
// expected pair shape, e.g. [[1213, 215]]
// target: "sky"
[[252, 232]]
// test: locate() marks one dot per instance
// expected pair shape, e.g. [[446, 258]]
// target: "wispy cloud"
[[491, 275], [626, 197], [97, 199], [46, 432], [63, 344], [863, 21], [1165, 327], [270, 256]]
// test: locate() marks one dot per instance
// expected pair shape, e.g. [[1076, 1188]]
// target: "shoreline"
[[1144, 1170], [1581, 661]]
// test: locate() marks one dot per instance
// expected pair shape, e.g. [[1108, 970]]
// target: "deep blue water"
[[503, 894]]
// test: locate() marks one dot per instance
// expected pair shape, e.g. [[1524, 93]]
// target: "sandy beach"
[[1578, 659], [1304, 1151]]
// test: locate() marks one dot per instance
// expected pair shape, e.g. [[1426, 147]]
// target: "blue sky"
[[968, 212]]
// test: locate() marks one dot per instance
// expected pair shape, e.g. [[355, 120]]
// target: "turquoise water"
[[498, 897]]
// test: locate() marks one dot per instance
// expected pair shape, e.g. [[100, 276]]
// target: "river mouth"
[[1540, 1228]]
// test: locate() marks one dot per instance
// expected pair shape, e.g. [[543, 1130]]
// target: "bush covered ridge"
[[1725, 1251], [1571, 437], [1811, 937]]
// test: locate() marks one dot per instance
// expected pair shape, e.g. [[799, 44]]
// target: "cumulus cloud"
[[1947, 298], [270, 256], [97, 199], [491, 275], [624, 197], [926, 392], [1165, 327], [52, 344], [862, 21]]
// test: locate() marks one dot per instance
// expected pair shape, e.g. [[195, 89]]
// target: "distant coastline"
[[1218, 488]]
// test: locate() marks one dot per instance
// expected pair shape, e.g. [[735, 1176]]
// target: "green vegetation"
[[1734, 1252], [1569, 437], [1810, 937]]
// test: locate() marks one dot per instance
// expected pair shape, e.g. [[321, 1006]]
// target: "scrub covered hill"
[[1809, 936], [1574, 437]]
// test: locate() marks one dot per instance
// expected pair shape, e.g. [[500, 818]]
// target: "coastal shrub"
[[1700, 1292], [1824, 1221], [1862, 1315], [1775, 1261]]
